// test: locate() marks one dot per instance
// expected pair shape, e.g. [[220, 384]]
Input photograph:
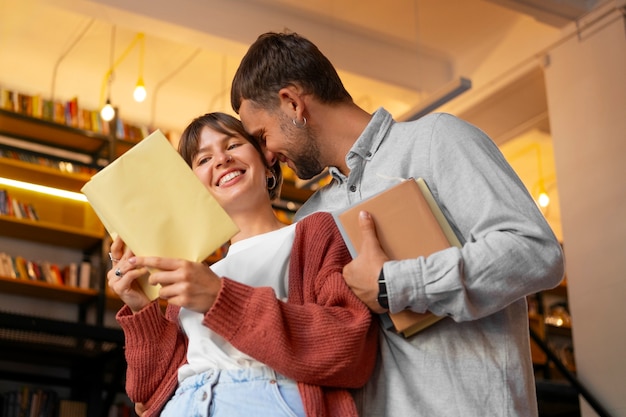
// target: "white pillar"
[[586, 88]]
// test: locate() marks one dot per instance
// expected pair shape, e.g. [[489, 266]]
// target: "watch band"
[[383, 299]]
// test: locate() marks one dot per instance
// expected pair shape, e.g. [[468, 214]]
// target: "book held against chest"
[[152, 199], [409, 224]]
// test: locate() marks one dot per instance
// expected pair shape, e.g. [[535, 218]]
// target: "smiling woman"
[[234, 169], [267, 323], [213, 144]]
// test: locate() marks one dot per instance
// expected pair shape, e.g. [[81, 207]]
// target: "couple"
[[282, 325]]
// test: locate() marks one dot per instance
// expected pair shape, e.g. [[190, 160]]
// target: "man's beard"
[[305, 154]]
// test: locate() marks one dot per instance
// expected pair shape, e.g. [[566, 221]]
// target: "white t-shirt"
[[260, 261]]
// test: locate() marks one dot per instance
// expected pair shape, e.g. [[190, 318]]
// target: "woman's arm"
[[155, 348], [323, 335]]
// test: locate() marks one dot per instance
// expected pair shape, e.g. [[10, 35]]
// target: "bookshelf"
[[52, 328], [54, 136]]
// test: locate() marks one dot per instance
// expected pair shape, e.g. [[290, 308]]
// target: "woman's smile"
[[229, 176]]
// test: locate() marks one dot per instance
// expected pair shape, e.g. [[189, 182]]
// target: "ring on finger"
[[112, 258], [118, 272]]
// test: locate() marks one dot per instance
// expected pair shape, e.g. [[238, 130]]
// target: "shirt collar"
[[368, 142]]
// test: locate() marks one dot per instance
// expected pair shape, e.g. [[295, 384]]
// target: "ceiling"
[[397, 54], [393, 54]]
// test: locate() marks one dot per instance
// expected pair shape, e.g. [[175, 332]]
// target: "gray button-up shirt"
[[476, 362]]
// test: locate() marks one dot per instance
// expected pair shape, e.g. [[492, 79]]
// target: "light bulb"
[[108, 112], [140, 91], [543, 199]]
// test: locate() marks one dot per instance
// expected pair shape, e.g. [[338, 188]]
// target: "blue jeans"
[[258, 392]]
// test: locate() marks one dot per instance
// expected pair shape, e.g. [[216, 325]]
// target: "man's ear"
[[291, 101]]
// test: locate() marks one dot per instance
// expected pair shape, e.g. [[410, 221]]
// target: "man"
[[477, 361]]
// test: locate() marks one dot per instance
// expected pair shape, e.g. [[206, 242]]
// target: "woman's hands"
[[192, 285], [122, 277]]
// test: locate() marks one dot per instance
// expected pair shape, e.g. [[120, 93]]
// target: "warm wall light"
[[543, 199], [140, 90], [108, 112], [43, 189]]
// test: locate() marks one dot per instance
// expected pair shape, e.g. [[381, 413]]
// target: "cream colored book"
[[409, 224], [151, 198]]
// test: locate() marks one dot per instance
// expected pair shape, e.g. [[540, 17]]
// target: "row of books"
[[10, 206], [31, 158], [40, 402], [72, 275], [30, 402], [68, 113], [62, 112]]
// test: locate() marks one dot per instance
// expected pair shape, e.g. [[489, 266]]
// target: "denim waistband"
[[213, 376]]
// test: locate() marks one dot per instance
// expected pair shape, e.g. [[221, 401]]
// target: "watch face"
[[383, 300]]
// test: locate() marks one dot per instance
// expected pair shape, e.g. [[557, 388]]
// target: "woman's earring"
[[295, 122], [271, 182]]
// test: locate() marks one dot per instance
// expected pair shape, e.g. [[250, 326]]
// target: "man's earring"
[[295, 122]]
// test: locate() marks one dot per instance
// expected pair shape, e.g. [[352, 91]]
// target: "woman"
[[272, 329]]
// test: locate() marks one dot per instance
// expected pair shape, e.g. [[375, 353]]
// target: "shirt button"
[[204, 396], [353, 188], [368, 154]]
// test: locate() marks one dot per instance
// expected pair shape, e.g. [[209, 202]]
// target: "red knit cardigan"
[[324, 337]]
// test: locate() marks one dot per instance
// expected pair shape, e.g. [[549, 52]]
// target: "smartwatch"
[[383, 299]]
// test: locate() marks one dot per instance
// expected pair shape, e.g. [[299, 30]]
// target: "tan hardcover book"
[[409, 224], [151, 198]]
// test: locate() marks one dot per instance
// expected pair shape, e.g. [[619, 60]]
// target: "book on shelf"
[[32, 270], [20, 267], [409, 224], [152, 199], [6, 265], [47, 272], [57, 275], [84, 276], [70, 274]]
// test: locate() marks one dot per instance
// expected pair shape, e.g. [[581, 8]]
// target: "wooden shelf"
[[49, 233], [55, 135], [44, 290], [42, 175], [51, 134]]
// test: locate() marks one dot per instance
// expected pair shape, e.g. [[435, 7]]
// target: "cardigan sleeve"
[[155, 349], [323, 335]]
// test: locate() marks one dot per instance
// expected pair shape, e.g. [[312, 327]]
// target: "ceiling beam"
[[514, 109], [557, 13], [239, 22]]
